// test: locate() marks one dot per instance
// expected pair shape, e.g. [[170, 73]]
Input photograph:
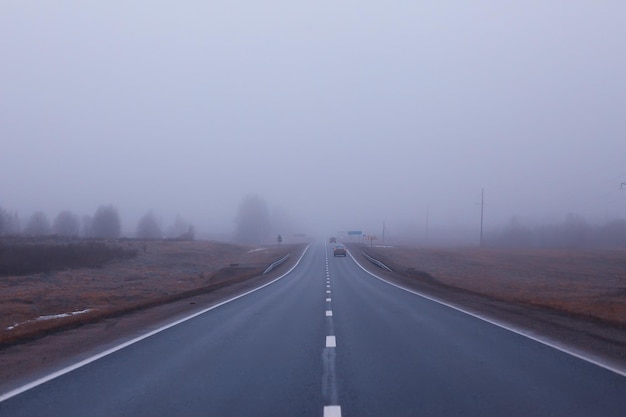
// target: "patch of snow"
[[256, 250], [58, 316], [51, 317]]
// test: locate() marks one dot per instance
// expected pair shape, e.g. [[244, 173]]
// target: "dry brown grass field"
[[162, 271], [584, 283]]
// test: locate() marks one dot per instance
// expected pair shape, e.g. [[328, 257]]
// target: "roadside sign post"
[[371, 238], [354, 233]]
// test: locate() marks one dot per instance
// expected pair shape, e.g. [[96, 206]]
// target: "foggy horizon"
[[341, 116]]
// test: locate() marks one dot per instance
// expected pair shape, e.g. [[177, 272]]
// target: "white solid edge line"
[[508, 327], [332, 411], [42, 380]]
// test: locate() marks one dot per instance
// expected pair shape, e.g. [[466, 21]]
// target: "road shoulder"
[[597, 341], [25, 362]]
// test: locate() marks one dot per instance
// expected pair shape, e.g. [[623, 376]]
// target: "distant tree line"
[[254, 224], [574, 233], [26, 257], [104, 224]]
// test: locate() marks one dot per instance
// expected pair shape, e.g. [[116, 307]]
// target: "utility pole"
[[427, 222], [383, 232], [482, 212]]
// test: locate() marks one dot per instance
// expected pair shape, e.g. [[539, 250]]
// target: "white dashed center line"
[[329, 379], [332, 411], [331, 341]]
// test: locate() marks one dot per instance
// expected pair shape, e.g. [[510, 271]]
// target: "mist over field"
[[330, 116]]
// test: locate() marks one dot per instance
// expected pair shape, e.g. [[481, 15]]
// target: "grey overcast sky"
[[343, 114]]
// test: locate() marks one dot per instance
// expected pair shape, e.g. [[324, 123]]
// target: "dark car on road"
[[332, 240], [340, 250]]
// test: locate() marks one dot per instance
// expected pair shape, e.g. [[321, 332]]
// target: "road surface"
[[328, 339]]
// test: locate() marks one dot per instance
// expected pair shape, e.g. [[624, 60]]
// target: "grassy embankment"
[[589, 283], [49, 285]]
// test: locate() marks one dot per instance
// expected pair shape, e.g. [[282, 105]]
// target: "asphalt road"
[[328, 339]]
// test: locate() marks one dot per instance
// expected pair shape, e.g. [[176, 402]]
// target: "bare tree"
[[148, 227], [12, 224], [189, 234], [38, 225], [9, 223], [253, 220], [66, 224], [87, 222], [181, 229], [3, 221], [106, 223]]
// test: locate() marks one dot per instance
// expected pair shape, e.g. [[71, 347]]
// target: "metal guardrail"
[[275, 264], [376, 262]]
